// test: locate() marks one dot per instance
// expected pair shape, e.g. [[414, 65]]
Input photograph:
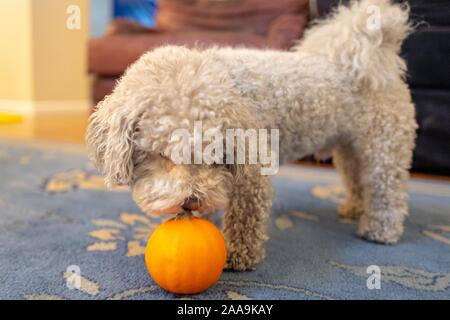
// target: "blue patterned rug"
[[56, 218]]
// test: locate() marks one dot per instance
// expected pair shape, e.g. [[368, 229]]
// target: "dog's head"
[[130, 136], [135, 150]]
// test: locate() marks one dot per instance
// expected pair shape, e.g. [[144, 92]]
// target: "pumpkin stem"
[[186, 214]]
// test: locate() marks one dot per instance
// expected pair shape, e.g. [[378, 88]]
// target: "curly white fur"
[[340, 90]]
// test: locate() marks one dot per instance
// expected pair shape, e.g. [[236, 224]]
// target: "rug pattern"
[[63, 235]]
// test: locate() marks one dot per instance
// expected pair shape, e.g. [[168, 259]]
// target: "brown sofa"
[[200, 23]]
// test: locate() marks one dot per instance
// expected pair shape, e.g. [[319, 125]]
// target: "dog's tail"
[[364, 39]]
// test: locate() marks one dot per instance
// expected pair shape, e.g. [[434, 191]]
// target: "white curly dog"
[[340, 91]]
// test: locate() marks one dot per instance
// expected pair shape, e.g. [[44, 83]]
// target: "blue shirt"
[[140, 11]]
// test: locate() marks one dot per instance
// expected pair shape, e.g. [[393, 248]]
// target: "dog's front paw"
[[386, 228], [233, 266], [352, 210], [239, 262]]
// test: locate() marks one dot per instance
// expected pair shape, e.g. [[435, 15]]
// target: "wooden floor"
[[62, 128], [71, 128]]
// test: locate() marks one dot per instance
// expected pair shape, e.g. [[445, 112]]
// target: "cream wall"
[[15, 50], [59, 54], [44, 63]]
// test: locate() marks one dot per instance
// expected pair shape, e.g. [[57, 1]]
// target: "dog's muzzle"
[[191, 204]]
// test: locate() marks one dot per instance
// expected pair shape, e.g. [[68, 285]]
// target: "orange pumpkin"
[[186, 255]]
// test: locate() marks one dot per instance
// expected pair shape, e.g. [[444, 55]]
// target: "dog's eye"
[[162, 155], [215, 164], [224, 161]]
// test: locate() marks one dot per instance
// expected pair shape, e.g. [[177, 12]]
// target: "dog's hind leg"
[[245, 219], [386, 152], [347, 163]]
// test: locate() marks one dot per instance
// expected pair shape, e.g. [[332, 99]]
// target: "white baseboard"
[[29, 107]]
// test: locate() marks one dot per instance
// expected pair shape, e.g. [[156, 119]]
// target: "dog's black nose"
[[191, 204]]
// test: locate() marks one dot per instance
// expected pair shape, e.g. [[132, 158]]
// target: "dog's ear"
[[110, 140]]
